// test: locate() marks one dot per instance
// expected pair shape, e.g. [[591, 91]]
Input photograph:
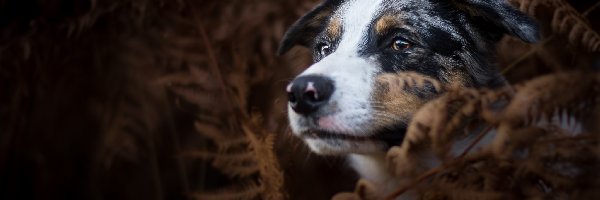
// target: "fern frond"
[[567, 21], [530, 144]]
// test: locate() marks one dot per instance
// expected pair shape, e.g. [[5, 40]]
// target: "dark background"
[[98, 99]]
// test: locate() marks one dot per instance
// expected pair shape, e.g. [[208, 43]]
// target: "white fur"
[[371, 167], [349, 106], [349, 109], [356, 16], [337, 147]]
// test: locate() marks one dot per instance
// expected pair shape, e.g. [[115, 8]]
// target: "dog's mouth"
[[392, 136]]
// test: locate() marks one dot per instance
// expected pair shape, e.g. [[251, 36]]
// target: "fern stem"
[[436, 170], [589, 10], [528, 54], [480, 136], [415, 182], [543, 43], [214, 66]]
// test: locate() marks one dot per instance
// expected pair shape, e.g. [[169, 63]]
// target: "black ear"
[[303, 31], [505, 17]]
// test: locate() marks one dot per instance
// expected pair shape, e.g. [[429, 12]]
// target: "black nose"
[[307, 93]]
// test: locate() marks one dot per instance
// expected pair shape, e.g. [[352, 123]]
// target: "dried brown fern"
[[242, 149], [567, 21], [241, 158], [529, 156], [117, 56], [83, 116], [539, 117], [563, 22]]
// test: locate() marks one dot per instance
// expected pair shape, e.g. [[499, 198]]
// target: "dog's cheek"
[[394, 101], [459, 79]]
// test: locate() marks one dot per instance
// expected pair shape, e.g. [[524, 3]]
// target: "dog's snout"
[[307, 93]]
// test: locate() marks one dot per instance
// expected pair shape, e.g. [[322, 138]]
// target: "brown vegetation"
[[156, 99]]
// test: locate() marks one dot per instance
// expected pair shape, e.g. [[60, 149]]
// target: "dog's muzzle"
[[306, 94]]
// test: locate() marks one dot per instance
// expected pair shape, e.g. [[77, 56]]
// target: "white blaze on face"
[[356, 16], [353, 76]]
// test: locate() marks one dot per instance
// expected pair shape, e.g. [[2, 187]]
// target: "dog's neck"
[[373, 168]]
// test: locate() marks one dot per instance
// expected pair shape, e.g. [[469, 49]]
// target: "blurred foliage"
[[183, 99]]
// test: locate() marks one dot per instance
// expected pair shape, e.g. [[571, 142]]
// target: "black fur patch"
[[452, 41], [445, 36], [304, 31]]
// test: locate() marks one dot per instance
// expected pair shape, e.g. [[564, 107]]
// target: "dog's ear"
[[303, 31], [503, 16]]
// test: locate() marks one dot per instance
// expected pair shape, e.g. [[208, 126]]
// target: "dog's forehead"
[[353, 12], [365, 7], [358, 15]]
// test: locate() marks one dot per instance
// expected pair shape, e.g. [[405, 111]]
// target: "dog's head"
[[342, 103]]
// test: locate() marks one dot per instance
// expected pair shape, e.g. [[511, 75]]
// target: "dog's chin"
[[329, 146], [328, 143]]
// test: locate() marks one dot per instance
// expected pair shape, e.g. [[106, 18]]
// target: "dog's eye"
[[400, 44], [323, 49]]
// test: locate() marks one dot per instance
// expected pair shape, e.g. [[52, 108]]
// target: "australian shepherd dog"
[[336, 105]]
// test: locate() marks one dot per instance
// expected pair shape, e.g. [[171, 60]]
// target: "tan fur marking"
[[386, 22], [459, 79], [334, 29], [320, 18], [392, 99]]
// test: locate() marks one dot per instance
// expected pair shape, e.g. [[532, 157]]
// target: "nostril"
[[312, 96], [291, 97]]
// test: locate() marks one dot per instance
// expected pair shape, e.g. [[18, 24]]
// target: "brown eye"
[[324, 49], [400, 44]]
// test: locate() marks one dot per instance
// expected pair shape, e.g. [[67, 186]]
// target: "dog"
[[337, 105]]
